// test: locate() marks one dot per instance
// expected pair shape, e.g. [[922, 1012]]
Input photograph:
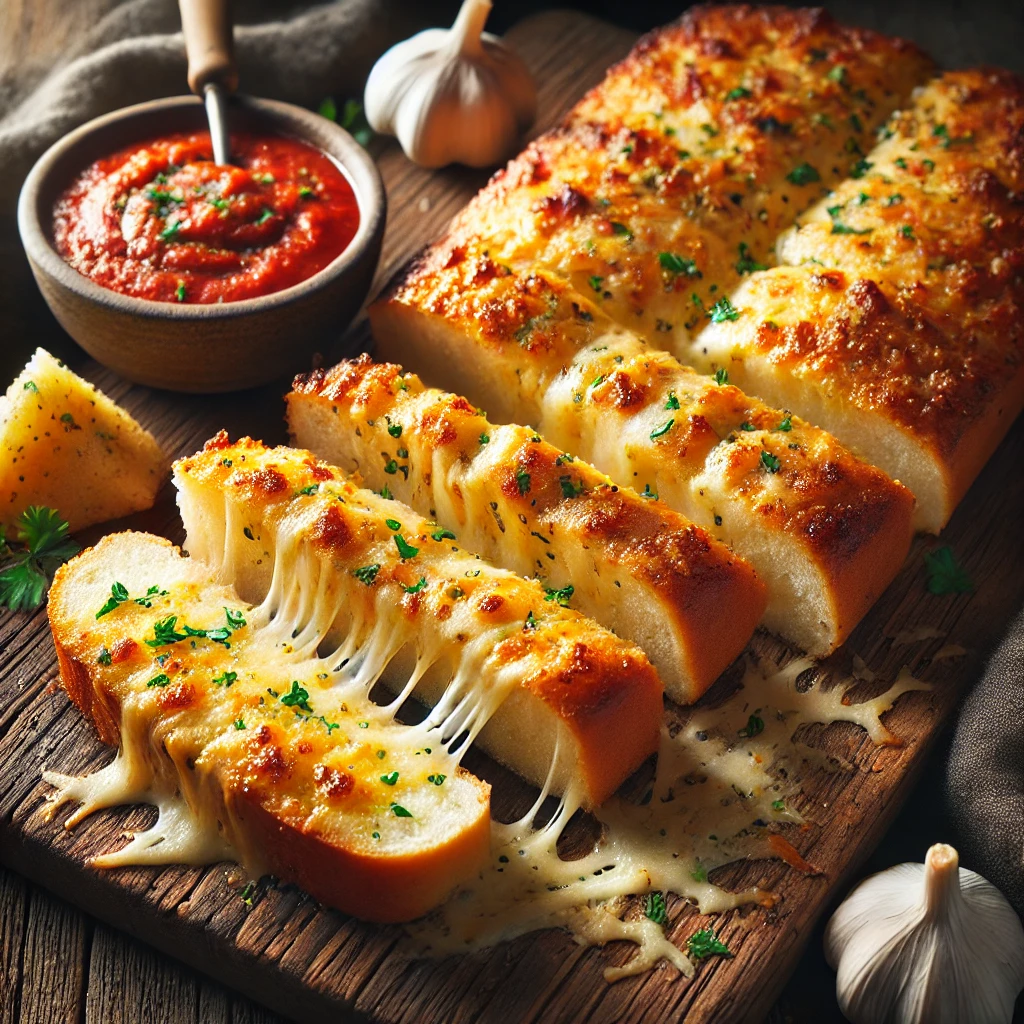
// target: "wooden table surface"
[[59, 964]]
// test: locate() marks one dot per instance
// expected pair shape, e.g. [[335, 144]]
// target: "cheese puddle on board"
[[723, 774], [721, 777]]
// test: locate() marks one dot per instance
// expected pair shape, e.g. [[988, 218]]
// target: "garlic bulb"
[[926, 943], [452, 95]]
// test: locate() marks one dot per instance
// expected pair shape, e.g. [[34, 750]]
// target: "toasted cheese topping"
[[629, 562]]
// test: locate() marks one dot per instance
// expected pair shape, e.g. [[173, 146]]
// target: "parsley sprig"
[[26, 572]]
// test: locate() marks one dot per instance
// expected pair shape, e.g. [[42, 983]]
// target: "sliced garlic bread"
[[633, 564], [824, 531], [900, 325], [251, 750], [546, 691], [672, 178], [65, 445]]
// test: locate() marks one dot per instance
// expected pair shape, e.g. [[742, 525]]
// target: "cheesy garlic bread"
[[631, 563], [824, 531], [541, 688], [899, 324]]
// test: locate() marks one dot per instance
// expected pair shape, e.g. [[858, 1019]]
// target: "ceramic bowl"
[[201, 348]]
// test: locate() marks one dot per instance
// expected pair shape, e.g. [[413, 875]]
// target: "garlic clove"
[[926, 943], [452, 95]]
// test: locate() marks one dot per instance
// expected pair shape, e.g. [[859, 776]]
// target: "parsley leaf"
[[678, 265], [803, 174], [723, 310], [522, 481], [416, 587], [405, 549], [706, 943], [770, 462], [367, 573], [560, 597], [296, 697], [118, 595], [27, 573], [655, 909], [662, 430], [945, 576], [746, 264]]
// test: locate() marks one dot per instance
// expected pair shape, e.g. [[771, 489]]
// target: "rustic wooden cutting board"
[[313, 964]]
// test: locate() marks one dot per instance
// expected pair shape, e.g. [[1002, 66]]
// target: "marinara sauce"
[[162, 221]]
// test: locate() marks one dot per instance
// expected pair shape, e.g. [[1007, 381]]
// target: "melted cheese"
[[717, 782]]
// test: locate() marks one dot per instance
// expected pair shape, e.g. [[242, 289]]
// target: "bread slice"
[[66, 445], [251, 750], [544, 690], [672, 178], [824, 531], [900, 324], [633, 564]]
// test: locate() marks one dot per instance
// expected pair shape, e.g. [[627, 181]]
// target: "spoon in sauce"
[[212, 72]]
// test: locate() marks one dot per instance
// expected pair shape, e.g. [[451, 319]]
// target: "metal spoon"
[[212, 72]]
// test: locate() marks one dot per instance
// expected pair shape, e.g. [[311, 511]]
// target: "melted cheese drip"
[[721, 776]]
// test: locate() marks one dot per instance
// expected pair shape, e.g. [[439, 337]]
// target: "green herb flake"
[[721, 376], [648, 493], [738, 93], [569, 488], [723, 310], [226, 679], [754, 727], [395, 429], [367, 573], [180, 291], [264, 216], [838, 74], [677, 265], [560, 597], [437, 779], [672, 402], [746, 264], [522, 481], [778, 805], [803, 174], [440, 533], [945, 576], [531, 621], [160, 680], [400, 812], [663, 429], [118, 595], [706, 943], [597, 283], [236, 620], [170, 232], [393, 524], [239, 724], [484, 439], [104, 657], [786, 425], [699, 873], [770, 462], [907, 231], [390, 779], [860, 168], [296, 697], [655, 909], [405, 549]]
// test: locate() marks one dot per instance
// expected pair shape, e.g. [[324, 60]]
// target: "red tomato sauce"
[[163, 221]]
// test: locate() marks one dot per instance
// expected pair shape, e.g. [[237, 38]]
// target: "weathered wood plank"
[[313, 964]]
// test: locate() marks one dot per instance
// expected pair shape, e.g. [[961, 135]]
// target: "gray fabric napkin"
[[985, 775], [136, 53]]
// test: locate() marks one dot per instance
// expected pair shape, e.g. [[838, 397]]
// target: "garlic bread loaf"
[[672, 178], [824, 531], [631, 563], [544, 690], [899, 323], [252, 751]]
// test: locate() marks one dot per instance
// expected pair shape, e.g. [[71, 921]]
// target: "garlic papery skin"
[[456, 95], [926, 943]]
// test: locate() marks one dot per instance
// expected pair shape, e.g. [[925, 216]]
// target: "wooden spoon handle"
[[209, 43]]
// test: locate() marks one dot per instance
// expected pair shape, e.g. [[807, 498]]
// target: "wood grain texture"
[[312, 964]]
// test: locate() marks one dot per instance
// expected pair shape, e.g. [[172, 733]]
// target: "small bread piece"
[[633, 564], [825, 532], [66, 445], [673, 177], [900, 325], [540, 687], [268, 756]]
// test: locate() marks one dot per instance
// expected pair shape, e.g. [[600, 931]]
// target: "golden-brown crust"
[[618, 677], [712, 598]]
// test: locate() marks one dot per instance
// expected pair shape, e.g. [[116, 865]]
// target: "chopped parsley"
[[522, 481], [945, 576], [105, 657], [26, 573], [754, 726], [307, 490], [531, 621], [672, 402], [390, 779], [484, 439], [663, 429], [770, 462], [170, 232], [400, 812], [118, 596], [226, 679], [405, 549], [160, 680], [738, 93], [803, 174], [786, 425], [442, 534], [648, 493], [746, 264], [385, 492], [860, 168], [180, 291], [678, 265], [367, 573], [416, 587], [393, 524], [907, 231], [597, 283], [706, 943], [560, 597], [395, 429], [655, 909], [165, 632], [296, 697], [721, 376], [235, 619], [264, 216], [837, 74], [723, 310], [570, 489], [437, 780], [239, 724]]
